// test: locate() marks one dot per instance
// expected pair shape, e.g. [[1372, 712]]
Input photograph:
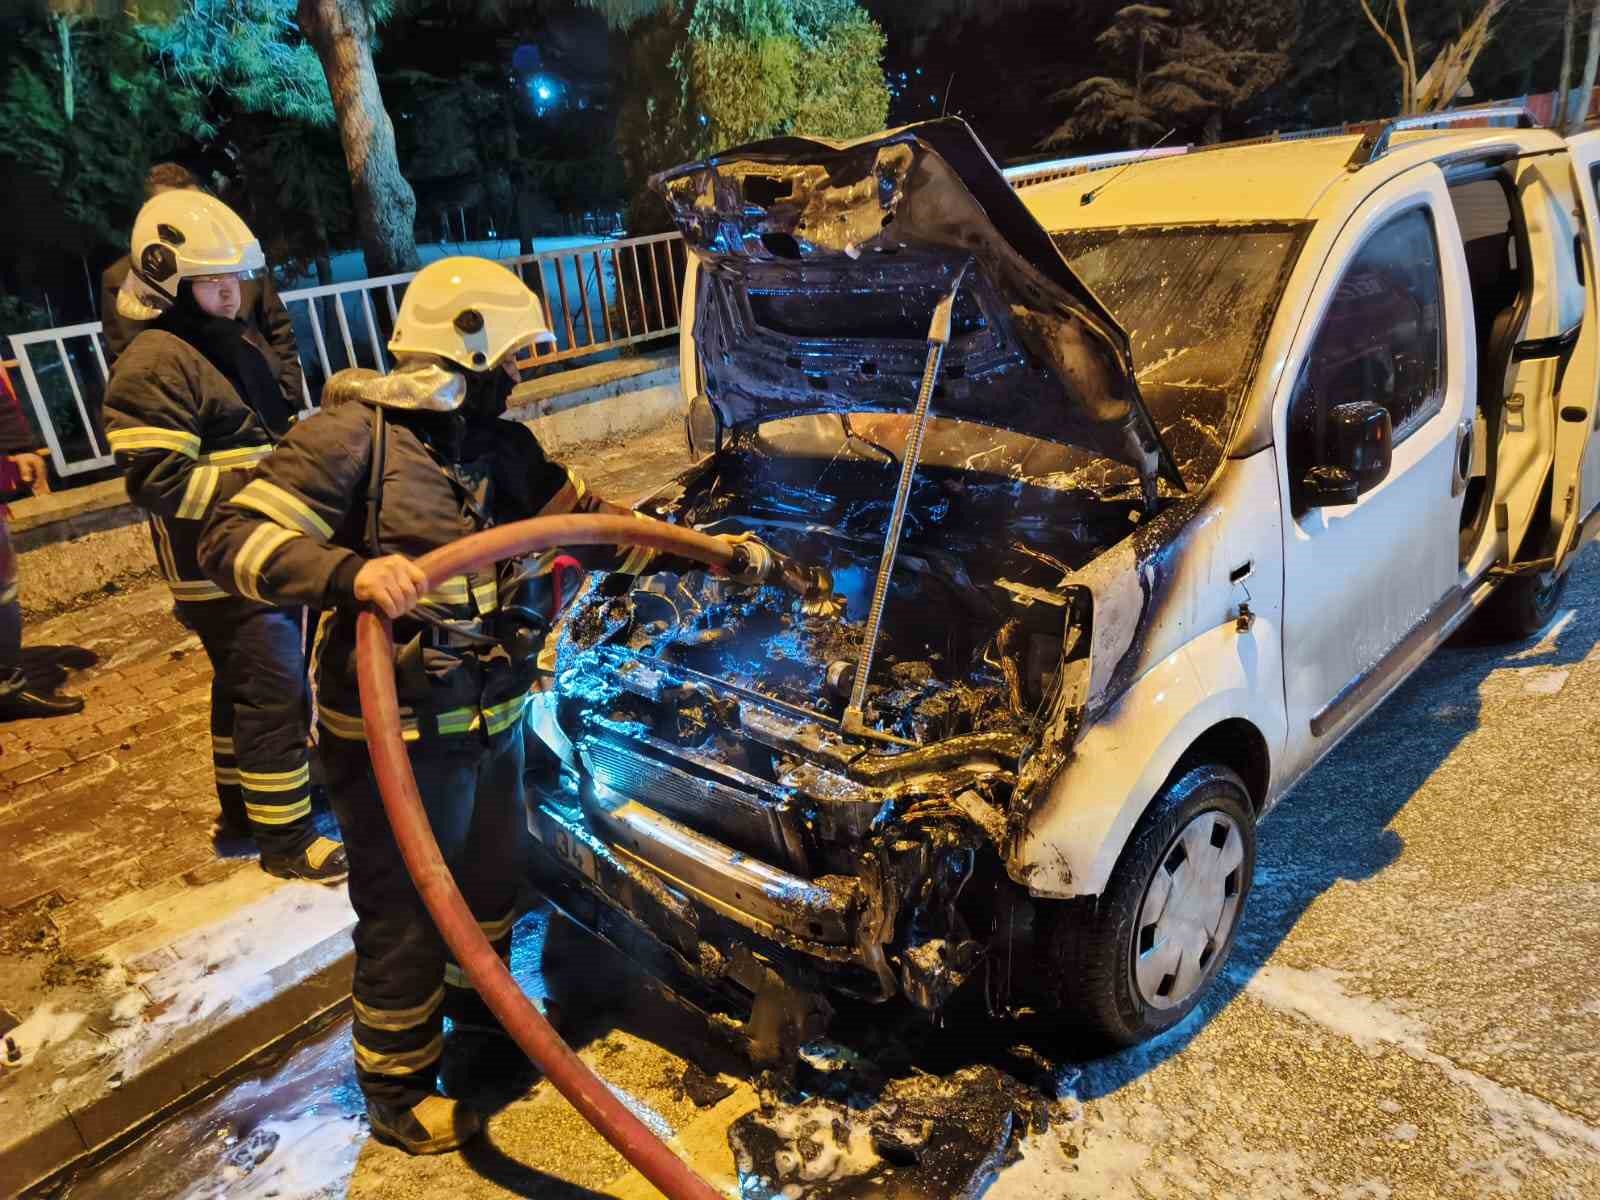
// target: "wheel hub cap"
[[1189, 909]]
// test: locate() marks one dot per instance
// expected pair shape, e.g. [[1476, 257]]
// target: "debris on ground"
[[703, 1089], [923, 1136]]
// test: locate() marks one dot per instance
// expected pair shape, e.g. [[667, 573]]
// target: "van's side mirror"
[[1357, 449], [702, 426]]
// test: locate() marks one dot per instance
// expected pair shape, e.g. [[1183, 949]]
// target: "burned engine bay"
[[717, 704]]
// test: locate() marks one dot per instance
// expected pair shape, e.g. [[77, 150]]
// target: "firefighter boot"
[[435, 1125], [323, 861], [22, 704]]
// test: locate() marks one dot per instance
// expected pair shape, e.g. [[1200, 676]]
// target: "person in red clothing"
[[22, 470]]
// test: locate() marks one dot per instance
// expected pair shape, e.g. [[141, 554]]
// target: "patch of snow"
[[49, 1024], [1320, 997], [1531, 1127], [230, 962]]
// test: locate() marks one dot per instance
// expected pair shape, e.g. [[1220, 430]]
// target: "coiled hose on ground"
[[380, 707]]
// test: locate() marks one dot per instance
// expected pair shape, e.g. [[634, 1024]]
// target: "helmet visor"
[[218, 276]]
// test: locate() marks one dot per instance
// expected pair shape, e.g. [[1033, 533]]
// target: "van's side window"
[[1381, 340]]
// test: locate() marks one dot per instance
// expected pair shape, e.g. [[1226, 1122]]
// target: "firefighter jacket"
[[185, 440], [358, 481]]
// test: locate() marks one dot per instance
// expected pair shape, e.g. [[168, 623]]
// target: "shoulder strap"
[[380, 441]]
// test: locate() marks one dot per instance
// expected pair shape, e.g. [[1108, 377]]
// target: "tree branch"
[[1400, 60], [1411, 55]]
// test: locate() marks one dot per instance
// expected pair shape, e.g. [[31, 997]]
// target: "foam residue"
[[49, 1024]]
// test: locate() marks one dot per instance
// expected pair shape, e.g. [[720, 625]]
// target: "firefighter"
[[259, 305], [395, 466], [191, 406]]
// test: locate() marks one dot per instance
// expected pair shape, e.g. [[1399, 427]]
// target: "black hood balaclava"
[[488, 394], [222, 342], [471, 430]]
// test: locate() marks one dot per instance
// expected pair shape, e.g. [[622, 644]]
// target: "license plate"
[[567, 846]]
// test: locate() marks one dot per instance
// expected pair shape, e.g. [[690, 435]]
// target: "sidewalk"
[[135, 965]]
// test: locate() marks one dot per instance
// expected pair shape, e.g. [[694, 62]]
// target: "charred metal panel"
[[819, 267]]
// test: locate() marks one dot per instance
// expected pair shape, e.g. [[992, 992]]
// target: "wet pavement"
[[136, 957], [1412, 1011]]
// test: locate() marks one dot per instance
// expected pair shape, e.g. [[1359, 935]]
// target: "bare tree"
[[1569, 33], [1578, 113], [1446, 78]]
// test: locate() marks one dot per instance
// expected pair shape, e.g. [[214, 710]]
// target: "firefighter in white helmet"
[[191, 406], [394, 466]]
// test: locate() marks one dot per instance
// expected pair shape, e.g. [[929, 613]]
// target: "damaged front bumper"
[[721, 870]]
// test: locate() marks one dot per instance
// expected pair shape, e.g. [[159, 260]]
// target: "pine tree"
[[1188, 67], [1106, 106], [84, 118]]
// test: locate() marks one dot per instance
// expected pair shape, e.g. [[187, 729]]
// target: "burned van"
[[1130, 492]]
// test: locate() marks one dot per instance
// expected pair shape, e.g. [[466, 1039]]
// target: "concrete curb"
[[39, 1145]]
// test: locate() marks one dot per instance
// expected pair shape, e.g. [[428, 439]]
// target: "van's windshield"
[[1196, 301]]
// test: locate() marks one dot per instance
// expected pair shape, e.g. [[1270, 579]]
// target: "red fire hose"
[[380, 707]]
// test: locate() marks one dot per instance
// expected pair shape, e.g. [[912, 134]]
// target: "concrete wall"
[[75, 547], [602, 403]]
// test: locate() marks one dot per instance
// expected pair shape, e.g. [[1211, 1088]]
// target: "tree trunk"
[[1578, 111], [1569, 33], [517, 173], [386, 207], [68, 68], [1138, 92]]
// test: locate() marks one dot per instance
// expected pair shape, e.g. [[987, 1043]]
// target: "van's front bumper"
[[732, 922]]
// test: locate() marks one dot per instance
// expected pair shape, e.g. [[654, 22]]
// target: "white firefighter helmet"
[[470, 311], [178, 235]]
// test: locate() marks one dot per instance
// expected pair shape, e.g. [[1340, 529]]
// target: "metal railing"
[[60, 390], [598, 298]]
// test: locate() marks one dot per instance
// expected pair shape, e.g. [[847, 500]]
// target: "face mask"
[[487, 394]]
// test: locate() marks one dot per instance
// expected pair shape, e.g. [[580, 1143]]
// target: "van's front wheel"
[[1523, 605], [1137, 959]]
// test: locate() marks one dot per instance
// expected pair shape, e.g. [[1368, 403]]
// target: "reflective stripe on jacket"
[[296, 535], [185, 440]]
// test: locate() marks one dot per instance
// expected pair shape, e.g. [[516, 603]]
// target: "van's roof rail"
[[1374, 143], [1026, 174]]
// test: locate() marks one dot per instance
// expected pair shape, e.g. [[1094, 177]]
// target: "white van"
[[1173, 471]]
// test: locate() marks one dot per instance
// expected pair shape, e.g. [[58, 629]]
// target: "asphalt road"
[[1413, 1009]]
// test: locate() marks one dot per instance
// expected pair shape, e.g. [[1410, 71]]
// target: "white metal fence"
[[598, 297]]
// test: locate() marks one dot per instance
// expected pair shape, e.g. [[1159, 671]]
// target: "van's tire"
[[1521, 606], [1093, 948]]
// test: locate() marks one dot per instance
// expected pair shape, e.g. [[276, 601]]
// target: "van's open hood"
[[820, 265]]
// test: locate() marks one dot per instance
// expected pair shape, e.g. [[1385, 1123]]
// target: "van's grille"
[[739, 817]]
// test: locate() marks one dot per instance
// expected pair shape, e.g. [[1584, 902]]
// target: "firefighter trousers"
[[405, 983], [259, 718]]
